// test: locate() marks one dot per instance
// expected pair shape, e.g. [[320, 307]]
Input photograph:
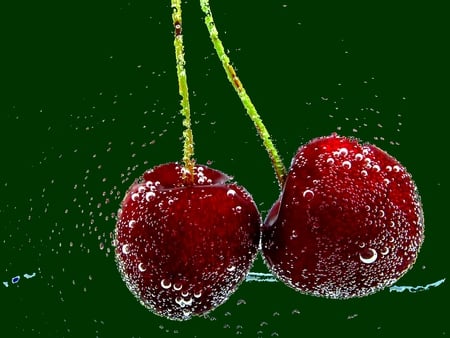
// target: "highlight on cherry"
[[348, 221]]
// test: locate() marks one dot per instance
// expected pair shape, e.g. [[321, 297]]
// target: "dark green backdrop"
[[88, 101]]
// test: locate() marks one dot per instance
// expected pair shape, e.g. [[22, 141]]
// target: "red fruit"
[[183, 248], [348, 223]]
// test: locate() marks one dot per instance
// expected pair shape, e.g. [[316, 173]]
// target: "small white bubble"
[[396, 168], [149, 196], [381, 213], [141, 267], [149, 184], [126, 249], [384, 251], [238, 209], [359, 157], [134, 196], [343, 152], [388, 168], [141, 189], [231, 268], [231, 193], [177, 286], [369, 256], [347, 164], [376, 168], [131, 223], [308, 194], [386, 181], [364, 172], [197, 294], [330, 161], [165, 284]]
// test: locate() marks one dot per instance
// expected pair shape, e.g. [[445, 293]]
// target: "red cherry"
[[348, 222], [182, 248]]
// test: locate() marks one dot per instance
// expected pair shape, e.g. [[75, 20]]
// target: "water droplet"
[[231, 193], [294, 234], [364, 172], [381, 213], [149, 184], [134, 196], [165, 284], [177, 286], [131, 223], [308, 194], [396, 168], [141, 189], [388, 168], [141, 267], [346, 164], [376, 168], [330, 161], [126, 249], [185, 293], [149, 195], [197, 294], [359, 157], [238, 209], [386, 181], [368, 256], [384, 251], [188, 301]]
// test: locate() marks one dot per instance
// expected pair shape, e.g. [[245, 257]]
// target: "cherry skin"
[[348, 223], [184, 243]]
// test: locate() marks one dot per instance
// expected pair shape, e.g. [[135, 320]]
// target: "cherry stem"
[[279, 168], [188, 148]]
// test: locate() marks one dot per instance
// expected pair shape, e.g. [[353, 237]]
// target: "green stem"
[[188, 148], [279, 168]]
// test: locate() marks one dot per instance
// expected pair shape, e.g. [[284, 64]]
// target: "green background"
[[89, 100]]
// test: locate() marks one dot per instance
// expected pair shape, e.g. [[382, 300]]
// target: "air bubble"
[[368, 256], [131, 223], [364, 172], [231, 193], [388, 168], [376, 168], [359, 157], [346, 164], [330, 161], [141, 189], [149, 195], [343, 152], [165, 284], [126, 249], [308, 194], [197, 294], [177, 286], [396, 168], [141, 267], [238, 209], [384, 251], [134, 197], [231, 268]]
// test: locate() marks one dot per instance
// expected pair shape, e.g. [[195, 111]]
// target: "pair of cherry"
[[348, 223]]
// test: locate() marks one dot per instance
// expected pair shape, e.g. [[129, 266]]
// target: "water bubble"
[[149, 195], [343, 152], [197, 294], [376, 168], [368, 256], [165, 284], [381, 213], [141, 267], [141, 189], [330, 161], [308, 194], [384, 251], [238, 209], [294, 234], [131, 223], [149, 184], [126, 249], [231, 193], [388, 168], [134, 196], [346, 164], [231, 268], [359, 157], [396, 168], [364, 172], [177, 286], [185, 293]]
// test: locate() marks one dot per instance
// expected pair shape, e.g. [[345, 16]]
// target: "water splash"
[[268, 277]]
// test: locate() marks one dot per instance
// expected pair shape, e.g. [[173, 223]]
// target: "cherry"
[[185, 241], [348, 223]]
